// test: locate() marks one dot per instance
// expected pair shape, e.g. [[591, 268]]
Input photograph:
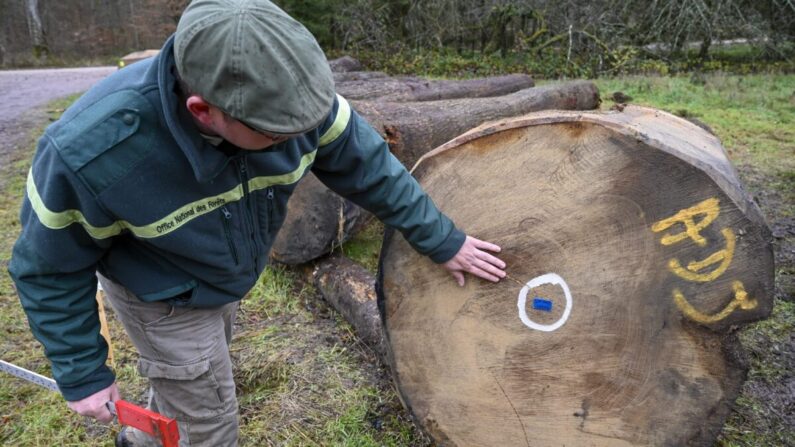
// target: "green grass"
[[365, 246], [753, 115]]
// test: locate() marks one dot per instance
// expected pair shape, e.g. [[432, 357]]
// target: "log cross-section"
[[632, 252]]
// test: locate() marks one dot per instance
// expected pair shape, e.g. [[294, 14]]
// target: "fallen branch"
[[350, 289]]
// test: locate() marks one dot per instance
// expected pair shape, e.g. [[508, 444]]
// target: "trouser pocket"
[[189, 391]]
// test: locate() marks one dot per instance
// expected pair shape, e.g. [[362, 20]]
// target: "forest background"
[[462, 38]]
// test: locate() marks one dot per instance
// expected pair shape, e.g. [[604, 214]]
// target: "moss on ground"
[[365, 247]]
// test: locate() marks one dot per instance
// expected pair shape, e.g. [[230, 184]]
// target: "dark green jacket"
[[124, 184]]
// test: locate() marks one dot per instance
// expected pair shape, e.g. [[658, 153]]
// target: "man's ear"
[[200, 109]]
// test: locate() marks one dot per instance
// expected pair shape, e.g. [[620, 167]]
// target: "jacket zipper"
[[227, 218], [270, 209], [248, 211]]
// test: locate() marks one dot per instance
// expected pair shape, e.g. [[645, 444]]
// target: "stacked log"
[[407, 90], [348, 76], [315, 223], [414, 128]]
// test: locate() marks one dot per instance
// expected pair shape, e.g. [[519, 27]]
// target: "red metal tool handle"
[[148, 421]]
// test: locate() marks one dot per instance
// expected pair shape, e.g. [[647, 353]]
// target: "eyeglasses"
[[271, 135]]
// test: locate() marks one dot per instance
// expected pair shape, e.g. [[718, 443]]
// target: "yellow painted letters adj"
[[694, 220]]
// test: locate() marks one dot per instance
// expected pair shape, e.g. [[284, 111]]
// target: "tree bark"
[[348, 76], [315, 215], [317, 221], [345, 63], [35, 30], [350, 289], [632, 254], [414, 128], [394, 90]]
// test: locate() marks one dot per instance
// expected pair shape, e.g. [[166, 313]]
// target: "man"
[[170, 180]]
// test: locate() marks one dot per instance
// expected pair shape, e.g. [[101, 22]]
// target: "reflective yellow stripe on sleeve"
[[57, 220], [340, 122]]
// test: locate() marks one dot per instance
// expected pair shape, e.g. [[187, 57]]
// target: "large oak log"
[[632, 252], [407, 90], [312, 224]]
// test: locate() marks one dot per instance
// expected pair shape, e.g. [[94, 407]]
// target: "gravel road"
[[23, 92]]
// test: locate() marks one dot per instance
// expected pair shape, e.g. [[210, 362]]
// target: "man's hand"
[[473, 259], [94, 405]]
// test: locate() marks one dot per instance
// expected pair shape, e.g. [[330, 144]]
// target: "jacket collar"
[[207, 161]]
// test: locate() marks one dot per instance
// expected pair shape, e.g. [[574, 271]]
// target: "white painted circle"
[[549, 278]]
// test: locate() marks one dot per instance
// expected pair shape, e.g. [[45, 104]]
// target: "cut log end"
[[344, 64], [632, 251], [317, 220]]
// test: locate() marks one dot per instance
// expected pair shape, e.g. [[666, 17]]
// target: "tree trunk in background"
[[35, 29], [414, 128], [175, 8], [406, 90], [136, 40], [633, 255]]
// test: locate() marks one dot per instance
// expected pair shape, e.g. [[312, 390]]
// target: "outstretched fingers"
[[486, 271], [489, 258], [459, 278], [483, 245], [473, 257]]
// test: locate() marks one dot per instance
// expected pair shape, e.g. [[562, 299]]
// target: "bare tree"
[[35, 29]]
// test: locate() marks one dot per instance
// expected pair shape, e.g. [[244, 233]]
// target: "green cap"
[[255, 62]]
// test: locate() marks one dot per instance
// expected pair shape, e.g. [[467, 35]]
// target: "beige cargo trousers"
[[184, 353]]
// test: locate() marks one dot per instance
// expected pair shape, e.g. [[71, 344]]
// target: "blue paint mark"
[[542, 304]]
